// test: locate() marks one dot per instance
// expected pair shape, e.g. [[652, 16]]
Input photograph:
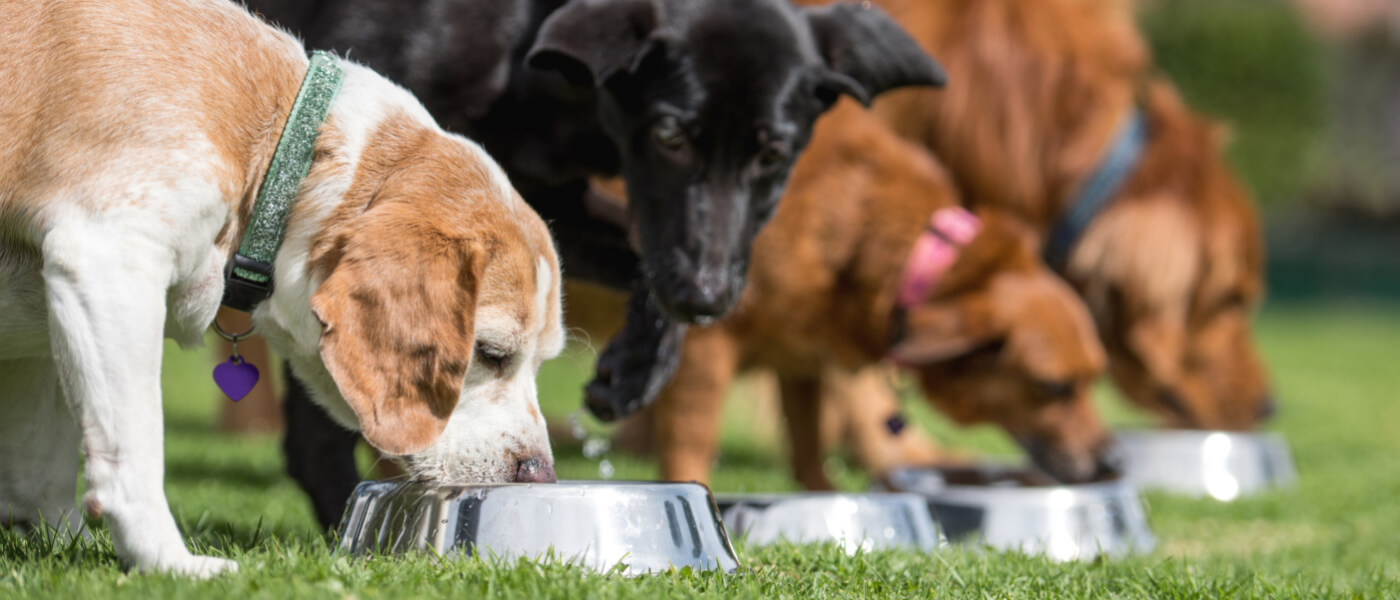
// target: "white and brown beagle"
[[414, 290]]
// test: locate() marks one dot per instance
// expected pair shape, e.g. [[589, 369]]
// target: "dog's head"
[[709, 103], [1175, 275], [1005, 341], [434, 297]]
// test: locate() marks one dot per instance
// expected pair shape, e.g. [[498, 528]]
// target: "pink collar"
[[949, 230]]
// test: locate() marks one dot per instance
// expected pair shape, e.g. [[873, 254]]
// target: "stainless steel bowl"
[[647, 527], [1015, 509], [857, 522], [1217, 464]]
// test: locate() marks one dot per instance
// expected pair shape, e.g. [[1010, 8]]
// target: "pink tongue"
[[236, 378], [958, 224]]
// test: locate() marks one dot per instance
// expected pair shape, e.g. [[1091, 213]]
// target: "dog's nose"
[[1109, 462], [534, 470], [705, 294], [700, 303], [1267, 409]]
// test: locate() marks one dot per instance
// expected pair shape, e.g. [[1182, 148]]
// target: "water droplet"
[[596, 447], [605, 469], [576, 425]]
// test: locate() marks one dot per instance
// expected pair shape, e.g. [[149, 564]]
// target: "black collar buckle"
[[241, 293]]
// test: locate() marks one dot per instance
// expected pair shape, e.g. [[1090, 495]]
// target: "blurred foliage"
[[1253, 65]]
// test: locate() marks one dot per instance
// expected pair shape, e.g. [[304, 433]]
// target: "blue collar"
[[1098, 189]]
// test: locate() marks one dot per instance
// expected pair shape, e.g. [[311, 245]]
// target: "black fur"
[[708, 104], [702, 107]]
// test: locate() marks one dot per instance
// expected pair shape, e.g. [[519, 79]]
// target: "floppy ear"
[[1158, 340], [398, 328], [868, 53], [587, 41], [943, 330]]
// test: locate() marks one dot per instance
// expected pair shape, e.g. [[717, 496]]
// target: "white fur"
[[111, 263]]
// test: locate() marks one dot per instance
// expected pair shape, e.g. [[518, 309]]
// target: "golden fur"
[[1002, 340], [1172, 268]]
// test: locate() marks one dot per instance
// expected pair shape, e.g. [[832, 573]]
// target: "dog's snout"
[[1267, 409], [706, 295], [534, 470], [1110, 461], [1067, 465]]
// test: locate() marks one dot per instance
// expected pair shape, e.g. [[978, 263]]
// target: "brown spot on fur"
[[92, 507], [416, 249], [93, 89]]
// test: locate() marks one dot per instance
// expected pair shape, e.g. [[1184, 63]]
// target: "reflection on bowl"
[[1017, 509], [857, 522], [646, 527], [1217, 464]]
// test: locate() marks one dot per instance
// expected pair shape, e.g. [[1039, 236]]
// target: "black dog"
[[701, 105]]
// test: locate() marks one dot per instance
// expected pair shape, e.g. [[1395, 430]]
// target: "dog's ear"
[[868, 53], [943, 330], [1158, 339], [588, 41], [1051, 336], [398, 327]]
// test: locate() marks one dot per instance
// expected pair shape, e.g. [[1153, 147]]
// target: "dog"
[[414, 292], [857, 408], [700, 107], [992, 335], [1171, 266], [561, 91]]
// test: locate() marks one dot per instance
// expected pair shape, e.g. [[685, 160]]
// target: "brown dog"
[[1000, 338], [1172, 266]]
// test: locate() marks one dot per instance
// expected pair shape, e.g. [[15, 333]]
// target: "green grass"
[[1336, 535]]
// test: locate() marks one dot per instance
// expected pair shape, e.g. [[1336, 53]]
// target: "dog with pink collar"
[[870, 260]]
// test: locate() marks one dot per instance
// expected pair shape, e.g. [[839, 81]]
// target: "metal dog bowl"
[[1221, 465], [857, 522], [646, 526], [1016, 509]]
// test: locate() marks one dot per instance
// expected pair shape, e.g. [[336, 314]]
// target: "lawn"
[[1336, 535]]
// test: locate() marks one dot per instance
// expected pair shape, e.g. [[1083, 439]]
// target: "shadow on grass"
[[208, 536], [198, 470], [215, 535]]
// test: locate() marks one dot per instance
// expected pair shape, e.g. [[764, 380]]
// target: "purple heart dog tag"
[[236, 377]]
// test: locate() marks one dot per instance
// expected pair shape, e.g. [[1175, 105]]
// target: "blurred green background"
[[1310, 118]]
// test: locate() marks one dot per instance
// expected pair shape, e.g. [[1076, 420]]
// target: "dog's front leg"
[[638, 362], [106, 294]]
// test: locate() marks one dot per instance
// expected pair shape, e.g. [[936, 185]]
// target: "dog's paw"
[[632, 372], [194, 565], [638, 362]]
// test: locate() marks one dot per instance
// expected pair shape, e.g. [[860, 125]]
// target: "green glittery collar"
[[248, 277]]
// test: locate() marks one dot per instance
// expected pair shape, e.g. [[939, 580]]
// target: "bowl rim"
[[770, 498], [1060, 494], [1258, 438]]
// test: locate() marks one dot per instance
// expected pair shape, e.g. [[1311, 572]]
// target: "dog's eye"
[[771, 156], [668, 133], [1055, 389], [492, 356]]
